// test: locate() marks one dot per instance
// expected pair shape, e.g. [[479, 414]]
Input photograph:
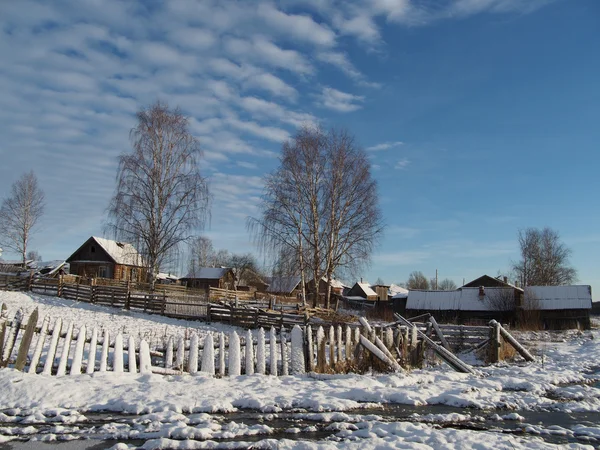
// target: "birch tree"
[[160, 197], [320, 205], [20, 214]]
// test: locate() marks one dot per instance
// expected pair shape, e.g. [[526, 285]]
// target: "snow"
[[208, 273], [366, 288], [234, 354], [563, 379], [464, 299]]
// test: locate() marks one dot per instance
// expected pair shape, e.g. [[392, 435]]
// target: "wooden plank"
[[145, 360], [52, 348], [39, 346], [91, 361], [78, 355], [169, 353], [131, 361], [118, 354], [439, 333], [64, 357], [104, 354], [13, 332], [512, 341], [26, 341]]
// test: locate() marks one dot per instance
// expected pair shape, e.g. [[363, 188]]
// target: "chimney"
[[506, 279], [361, 279], [481, 292]]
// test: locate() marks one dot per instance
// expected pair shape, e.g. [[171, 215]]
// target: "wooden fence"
[[49, 347]]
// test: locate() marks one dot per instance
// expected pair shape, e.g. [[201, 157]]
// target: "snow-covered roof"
[[558, 297], [397, 291], [366, 288], [166, 276], [208, 273], [120, 252], [462, 299], [282, 284]]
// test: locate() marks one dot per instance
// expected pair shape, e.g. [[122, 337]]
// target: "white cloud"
[[331, 98], [385, 146], [193, 38], [402, 164], [298, 27]]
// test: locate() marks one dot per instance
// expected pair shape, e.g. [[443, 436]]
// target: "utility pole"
[[436, 279]]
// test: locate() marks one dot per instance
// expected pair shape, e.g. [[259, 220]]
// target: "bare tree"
[[160, 195], [544, 259], [446, 285], [379, 282], [417, 280], [33, 255], [244, 267], [320, 205], [20, 213], [501, 299], [202, 253]]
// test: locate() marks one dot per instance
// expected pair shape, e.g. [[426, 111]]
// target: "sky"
[[480, 117]]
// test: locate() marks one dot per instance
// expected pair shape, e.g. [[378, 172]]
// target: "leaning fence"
[[52, 347]]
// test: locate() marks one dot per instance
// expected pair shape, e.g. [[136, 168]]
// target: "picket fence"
[[51, 348]]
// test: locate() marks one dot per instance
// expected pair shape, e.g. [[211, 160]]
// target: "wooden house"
[[337, 287], [382, 291], [288, 286], [362, 290], [105, 258], [207, 277]]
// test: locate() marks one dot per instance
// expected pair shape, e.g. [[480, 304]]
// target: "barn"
[[210, 277], [559, 307], [105, 258]]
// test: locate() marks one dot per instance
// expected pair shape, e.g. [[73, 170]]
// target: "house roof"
[[208, 273], [166, 276], [488, 281], [462, 299], [119, 252], [398, 291], [558, 297], [366, 288], [282, 284]]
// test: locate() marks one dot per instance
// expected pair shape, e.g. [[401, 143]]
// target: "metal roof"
[[558, 297], [208, 273]]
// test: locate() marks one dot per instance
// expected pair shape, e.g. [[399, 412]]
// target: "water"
[[91, 435]]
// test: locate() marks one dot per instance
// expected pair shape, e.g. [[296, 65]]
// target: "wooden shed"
[[287, 286], [105, 258], [362, 290], [207, 277]]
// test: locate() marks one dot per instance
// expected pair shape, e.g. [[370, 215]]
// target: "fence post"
[[30, 282], [494, 342], [59, 288], [164, 303]]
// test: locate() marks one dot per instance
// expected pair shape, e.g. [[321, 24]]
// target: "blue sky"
[[480, 116]]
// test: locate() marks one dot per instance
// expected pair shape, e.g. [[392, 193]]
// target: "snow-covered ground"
[[168, 409]]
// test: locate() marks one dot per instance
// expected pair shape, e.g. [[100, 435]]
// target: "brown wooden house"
[[104, 258], [210, 277], [362, 290]]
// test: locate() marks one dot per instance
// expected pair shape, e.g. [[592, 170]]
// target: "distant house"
[[382, 291], [288, 286], [560, 306], [362, 290], [166, 278], [207, 277], [488, 281], [553, 307], [464, 304], [337, 287], [399, 296], [105, 258]]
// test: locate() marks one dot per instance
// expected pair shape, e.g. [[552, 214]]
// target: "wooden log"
[[222, 354], [169, 353], [118, 354], [52, 348], [249, 353], [273, 352], [78, 355], [310, 356], [64, 357], [180, 354], [104, 354], [284, 353], [26, 341], [512, 341], [331, 346], [39, 346], [439, 333], [131, 361], [447, 356], [321, 351], [375, 351], [193, 358], [348, 344], [340, 347], [11, 339], [91, 361], [145, 360]]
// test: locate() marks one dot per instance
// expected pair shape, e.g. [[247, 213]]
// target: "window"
[[101, 271], [93, 249]]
